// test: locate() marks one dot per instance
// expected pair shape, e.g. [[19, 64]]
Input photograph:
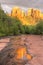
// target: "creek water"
[[34, 45]]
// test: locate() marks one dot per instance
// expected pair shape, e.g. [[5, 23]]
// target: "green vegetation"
[[13, 26], [30, 29], [39, 27]]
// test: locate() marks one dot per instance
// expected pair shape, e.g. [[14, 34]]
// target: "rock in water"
[[15, 53]]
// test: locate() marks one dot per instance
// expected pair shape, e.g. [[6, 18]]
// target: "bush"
[[36, 29], [26, 28], [39, 27], [8, 25], [13, 26], [30, 29], [17, 26]]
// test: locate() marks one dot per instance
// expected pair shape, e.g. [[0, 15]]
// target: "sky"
[[24, 3]]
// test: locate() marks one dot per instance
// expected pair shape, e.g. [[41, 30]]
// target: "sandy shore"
[[35, 47]]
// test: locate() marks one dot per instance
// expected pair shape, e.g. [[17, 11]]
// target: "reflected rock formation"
[[16, 53]]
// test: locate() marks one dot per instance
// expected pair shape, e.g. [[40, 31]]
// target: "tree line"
[[13, 26]]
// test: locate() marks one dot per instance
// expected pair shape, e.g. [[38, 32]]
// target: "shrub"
[[8, 25], [39, 27], [30, 29], [26, 28], [13, 26]]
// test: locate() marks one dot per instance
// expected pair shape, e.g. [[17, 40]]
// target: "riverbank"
[[34, 44], [3, 42]]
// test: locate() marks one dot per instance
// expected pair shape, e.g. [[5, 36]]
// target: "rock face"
[[16, 53]]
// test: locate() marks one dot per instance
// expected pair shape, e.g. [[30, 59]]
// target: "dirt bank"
[[4, 42]]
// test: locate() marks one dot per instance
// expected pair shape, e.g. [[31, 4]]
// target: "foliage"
[[39, 27], [13, 26], [30, 29], [8, 25]]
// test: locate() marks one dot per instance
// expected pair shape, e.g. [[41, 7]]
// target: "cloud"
[[24, 3], [6, 8]]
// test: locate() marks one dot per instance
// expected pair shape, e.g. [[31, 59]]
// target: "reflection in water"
[[22, 54], [21, 48], [15, 53]]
